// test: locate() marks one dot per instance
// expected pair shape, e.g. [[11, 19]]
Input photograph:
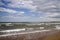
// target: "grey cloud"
[[48, 6], [44, 6]]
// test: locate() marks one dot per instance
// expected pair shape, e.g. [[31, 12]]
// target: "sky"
[[29, 10]]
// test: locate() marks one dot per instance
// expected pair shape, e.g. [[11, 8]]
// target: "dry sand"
[[55, 36]]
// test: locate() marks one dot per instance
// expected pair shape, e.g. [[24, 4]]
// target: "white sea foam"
[[25, 32], [13, 30]]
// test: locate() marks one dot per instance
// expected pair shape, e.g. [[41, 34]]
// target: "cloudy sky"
[[29, 10]]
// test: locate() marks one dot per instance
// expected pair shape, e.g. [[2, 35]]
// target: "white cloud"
[[48, 8], [52, 19], [16, 17], [7, 10], [10, 11], [22, 3], [39, 5], [51, 14]]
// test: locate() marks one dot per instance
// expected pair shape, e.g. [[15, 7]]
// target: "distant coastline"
[[34, 22]]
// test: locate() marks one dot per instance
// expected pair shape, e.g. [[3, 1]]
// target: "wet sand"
[[48, 35]]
